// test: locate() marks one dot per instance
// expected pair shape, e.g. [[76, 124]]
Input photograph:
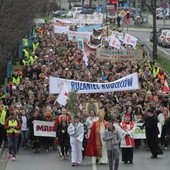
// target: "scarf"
[[128, 139]]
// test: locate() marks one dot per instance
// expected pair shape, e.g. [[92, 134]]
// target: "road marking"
[[147, 40], [94, 167]]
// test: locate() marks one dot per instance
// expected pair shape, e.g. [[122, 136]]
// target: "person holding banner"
[[76, 132], [35, 139], [48, 117], [127, 135]]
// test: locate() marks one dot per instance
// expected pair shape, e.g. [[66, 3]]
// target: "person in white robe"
[[76, 132], [90, 120]]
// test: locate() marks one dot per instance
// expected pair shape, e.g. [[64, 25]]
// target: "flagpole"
[[83, 6], [58, 94], [60, 91]]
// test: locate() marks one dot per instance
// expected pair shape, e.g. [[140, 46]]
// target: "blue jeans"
[[113, 155], [12, 144], [24, 138]]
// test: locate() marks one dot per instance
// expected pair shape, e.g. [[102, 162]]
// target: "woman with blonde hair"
[[63, 137]]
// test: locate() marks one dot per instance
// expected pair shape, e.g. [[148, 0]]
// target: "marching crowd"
[[26, 98]]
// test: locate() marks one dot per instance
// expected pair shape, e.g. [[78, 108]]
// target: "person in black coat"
[[36, 140], [152, 132], [63, 137], [167, 129]]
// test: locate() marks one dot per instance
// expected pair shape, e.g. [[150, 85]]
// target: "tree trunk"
[[155, 38]]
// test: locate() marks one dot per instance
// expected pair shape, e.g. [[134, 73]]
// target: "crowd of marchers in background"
[[26, 96]]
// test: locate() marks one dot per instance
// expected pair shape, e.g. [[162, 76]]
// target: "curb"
[[149, 53], [2, 150], [138, 29]]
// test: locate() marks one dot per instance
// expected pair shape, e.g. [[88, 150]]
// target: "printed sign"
[[44, 128], [118, 35], [140, 133], [118, 55], [130, 40], [61, 29], [114, 42], [89, 28], [129, 82], [96, 18], [75, 36]]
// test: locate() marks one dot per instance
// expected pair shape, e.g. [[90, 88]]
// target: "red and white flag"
[[85, 58], [130, 40], [114, 42], [63, 96], [166, 86]]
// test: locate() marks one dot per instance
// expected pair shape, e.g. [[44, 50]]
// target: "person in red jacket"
[[58, 121], [12, 126], [59, 118]]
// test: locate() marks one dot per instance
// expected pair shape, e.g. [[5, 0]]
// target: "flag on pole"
[[85, 58], [129, 39], [63, 96], [166, 86], [114, 42]]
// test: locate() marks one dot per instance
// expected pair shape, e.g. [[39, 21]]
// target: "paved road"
[[143, 35], [27, 160]]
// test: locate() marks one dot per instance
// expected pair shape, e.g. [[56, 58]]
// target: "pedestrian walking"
[[24, 129], [12, 126], [112, 139], [36, 140], [152, 131], [76, 132], [3, 116], [63, 137], [127, 142]]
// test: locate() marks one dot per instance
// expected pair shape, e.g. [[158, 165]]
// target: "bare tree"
[[152, 4], [16, 19]]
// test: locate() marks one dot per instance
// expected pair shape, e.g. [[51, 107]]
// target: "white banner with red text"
[[44, 128]]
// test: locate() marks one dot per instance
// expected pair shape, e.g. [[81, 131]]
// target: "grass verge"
[[47, 18], [164, 62]]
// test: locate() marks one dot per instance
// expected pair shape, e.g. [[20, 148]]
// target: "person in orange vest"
[[161, 76], [12, 126]]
